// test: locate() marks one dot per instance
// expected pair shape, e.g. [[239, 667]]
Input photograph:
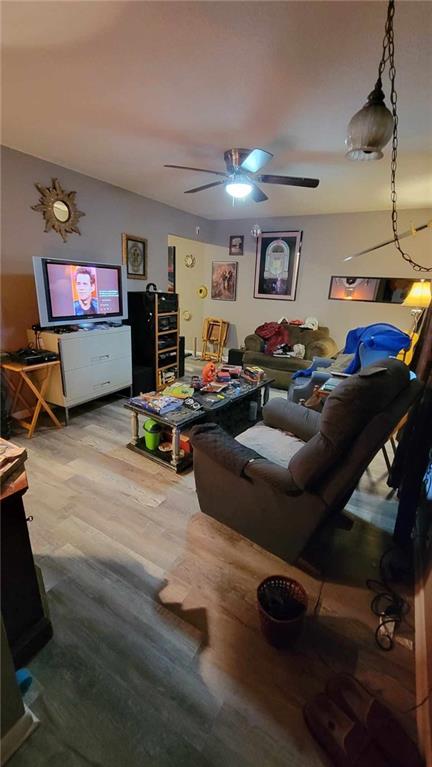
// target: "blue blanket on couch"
[[379, 336]]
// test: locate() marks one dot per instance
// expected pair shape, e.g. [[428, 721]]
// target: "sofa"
[[279, 480], [317, 343]]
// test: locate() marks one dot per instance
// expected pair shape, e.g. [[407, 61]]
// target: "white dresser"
[[92, 363]]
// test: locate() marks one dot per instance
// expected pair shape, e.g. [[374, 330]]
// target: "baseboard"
[[21, 730]]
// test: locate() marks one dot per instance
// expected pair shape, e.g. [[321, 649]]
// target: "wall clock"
[[189, 261]]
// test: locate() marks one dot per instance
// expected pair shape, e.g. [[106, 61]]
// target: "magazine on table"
[[157, 405]]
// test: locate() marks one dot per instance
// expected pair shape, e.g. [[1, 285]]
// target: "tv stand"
[[92, 363]]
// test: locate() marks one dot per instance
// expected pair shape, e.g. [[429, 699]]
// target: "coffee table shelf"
[[165, 459], [223, 412]]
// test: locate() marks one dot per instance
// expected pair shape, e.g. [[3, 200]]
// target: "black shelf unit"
[[154, 321]]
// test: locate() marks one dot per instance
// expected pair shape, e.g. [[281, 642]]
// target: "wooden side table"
[[19, 377]]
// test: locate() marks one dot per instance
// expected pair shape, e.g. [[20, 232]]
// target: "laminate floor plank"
[[157, 657]]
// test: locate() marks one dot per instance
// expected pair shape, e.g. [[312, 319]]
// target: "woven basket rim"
[[283, 620], [285, 578]]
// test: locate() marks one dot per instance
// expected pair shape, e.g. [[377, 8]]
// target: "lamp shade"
[[419, 295], [370, 129]]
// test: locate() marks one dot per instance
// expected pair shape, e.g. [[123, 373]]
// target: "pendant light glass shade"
[[370, 129]]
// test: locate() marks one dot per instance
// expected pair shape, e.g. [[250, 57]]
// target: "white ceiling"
[[117, 89]]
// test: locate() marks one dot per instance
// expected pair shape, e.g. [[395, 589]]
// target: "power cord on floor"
[[317, 605], [389, 606]]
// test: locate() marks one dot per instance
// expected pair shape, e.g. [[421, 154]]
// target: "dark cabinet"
[[27, 626]]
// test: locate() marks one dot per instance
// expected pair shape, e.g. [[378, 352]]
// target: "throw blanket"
[[274, 335], [380, 336]]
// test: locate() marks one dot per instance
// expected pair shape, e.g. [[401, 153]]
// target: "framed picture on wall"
[[384, 290], [236, 245], [277, 265], [224, 280], [134, 255]]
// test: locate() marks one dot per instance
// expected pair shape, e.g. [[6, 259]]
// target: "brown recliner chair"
[[281, 478]]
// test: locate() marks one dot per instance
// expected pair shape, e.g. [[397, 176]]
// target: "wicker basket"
[[282, 604]]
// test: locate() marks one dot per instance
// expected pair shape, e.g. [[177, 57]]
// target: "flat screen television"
[[76, 292]]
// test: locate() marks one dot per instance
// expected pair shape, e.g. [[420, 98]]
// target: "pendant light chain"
[[388, 56]]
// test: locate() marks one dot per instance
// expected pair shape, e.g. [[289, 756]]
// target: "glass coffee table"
[[232, 409]]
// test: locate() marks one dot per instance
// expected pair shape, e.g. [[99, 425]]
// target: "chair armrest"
[[321, 362], [324, 347], [289, 416], [221, 447], [280, 479], [241, 460], [319, 377], [254, 343]]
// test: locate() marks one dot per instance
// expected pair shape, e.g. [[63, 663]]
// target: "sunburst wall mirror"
[[59, 209]]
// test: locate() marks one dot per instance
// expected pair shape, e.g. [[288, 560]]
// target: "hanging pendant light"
[[370, 129]]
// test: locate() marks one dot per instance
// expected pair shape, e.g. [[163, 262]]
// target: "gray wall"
[[109, 212], [327, 239]]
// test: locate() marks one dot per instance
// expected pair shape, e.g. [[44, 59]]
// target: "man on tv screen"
[[85, 286]]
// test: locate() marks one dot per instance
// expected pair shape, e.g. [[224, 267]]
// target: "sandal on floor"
[[357, 703], [346, 742]]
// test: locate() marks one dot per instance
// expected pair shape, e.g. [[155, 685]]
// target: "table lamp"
[[419, 298]]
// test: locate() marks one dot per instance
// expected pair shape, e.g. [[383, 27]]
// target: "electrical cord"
[[318, 602], [389, 606]]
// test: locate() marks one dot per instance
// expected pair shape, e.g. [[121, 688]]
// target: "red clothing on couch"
[[274, 335]]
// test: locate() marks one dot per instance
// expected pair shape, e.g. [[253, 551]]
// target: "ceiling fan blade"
[[256, 160], [206, 186], [257, 194], [199, 170], [401, 236], [289, 180]]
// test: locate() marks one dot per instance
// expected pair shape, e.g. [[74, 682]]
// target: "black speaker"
[[235, 356], [142, 379], [181, 361]]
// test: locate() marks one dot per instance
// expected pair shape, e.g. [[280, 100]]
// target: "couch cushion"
[[290, 364], [273, 444], [350, 406], [299, 335]]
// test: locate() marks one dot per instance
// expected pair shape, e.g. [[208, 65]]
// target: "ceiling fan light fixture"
[[370, 129], [239, 187]]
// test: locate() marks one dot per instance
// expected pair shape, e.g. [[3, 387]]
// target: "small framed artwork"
[[224, 280], [134, 255], [277, 265], [236, 245]]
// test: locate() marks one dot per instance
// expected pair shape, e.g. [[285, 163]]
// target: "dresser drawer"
[[95, 380], [95, 349]]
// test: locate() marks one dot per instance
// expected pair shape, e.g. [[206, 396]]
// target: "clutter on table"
[[253, 374], [178, 390], [159, 405], [209, 372]]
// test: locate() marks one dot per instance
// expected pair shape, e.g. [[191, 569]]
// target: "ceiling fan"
[[240, 178]]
